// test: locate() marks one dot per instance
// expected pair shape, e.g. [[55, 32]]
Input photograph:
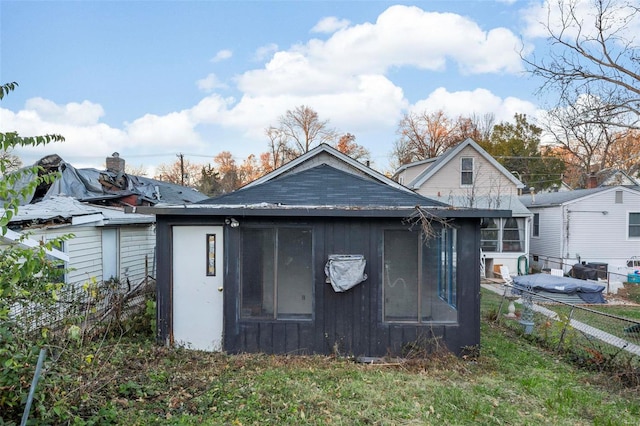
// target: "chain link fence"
[[598, 336]]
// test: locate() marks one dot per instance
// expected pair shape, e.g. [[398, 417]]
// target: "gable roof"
[[324, 185], [314, 154], [450, 154], [552, 199], [413, 164], [321, 183]]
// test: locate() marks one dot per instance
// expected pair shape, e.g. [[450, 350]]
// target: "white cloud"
[[81, 114], [401, 37], [210, 83], [345, 79], [476, 102], [264, 52], [330, 24], [222, 55]]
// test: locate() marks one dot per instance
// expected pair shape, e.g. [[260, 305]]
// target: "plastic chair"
[[504, 271]]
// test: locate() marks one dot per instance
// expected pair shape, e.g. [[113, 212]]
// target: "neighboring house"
[[107, 243], [467, 176], [89, 203], [597, 225], [113, 186], [246, 271], [614, 178]]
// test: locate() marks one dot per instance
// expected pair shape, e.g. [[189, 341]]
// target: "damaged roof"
[[107, 186], [62, 210]]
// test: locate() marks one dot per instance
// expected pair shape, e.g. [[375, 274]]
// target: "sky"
[[154, 79]]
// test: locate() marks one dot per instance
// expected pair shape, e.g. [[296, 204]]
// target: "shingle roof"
[[323, 185], [547, 199]]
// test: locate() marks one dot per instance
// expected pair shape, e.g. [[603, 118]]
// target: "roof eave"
[[314, 211]]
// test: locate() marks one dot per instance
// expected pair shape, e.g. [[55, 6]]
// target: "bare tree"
[[279, 152], [585, 136], [429, 134], [136, 170], [302, 129], [593, 52]]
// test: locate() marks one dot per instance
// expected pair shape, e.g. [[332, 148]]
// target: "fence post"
[[34, 383]]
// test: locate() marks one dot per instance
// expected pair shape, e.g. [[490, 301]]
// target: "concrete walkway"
[[580, 326]]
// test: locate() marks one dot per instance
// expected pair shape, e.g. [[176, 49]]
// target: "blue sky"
[[151, 79]]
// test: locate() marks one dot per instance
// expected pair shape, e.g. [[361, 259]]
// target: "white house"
[[600, 225], [467, 176], [107, 243]]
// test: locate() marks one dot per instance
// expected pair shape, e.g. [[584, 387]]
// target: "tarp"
[[589, 292], [345, 271]]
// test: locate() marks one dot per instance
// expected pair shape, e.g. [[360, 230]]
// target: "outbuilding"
[[323, 255]]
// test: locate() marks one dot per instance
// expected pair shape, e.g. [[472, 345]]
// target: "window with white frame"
[[466, 171], [634, 224], [504, 235]]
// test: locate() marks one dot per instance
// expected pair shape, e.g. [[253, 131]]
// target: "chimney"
[[115, 163], [592, 181]]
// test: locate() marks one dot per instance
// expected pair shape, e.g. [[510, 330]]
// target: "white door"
[[197, 287]]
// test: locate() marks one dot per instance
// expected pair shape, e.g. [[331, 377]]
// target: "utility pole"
[[181, 156]]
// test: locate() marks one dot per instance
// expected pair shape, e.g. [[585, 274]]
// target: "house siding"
[[579, 231], [137, 252], [347, 323], [85, 251], [487, 179], [599, 237], [548, 245], [412, 172]]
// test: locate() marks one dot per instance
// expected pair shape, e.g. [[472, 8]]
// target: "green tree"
[[29, 280], [517, 147]]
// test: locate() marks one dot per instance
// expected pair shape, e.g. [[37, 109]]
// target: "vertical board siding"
[[349, 322]]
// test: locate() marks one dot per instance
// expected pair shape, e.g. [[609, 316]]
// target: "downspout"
[[565, 240]]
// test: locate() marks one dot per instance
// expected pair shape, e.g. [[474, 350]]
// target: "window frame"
[[445, 290], [466, 172], [501, 242], [631, 226], [535, 225], [275, 314]]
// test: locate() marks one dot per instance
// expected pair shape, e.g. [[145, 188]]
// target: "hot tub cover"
[[588, 291]]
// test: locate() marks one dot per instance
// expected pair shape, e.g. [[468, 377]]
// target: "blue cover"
[[587, 291]]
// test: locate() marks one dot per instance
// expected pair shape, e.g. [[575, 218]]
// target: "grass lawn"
[[511, 381]]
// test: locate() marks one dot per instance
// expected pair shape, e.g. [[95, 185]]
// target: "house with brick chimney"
[[89, 203]]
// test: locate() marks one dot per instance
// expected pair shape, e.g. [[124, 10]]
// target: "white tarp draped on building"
[[345, 271]]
